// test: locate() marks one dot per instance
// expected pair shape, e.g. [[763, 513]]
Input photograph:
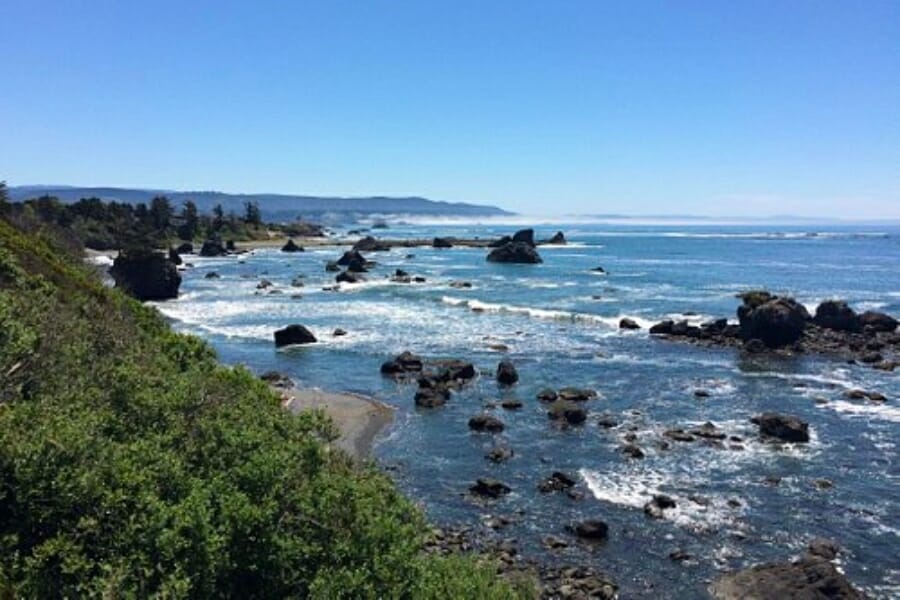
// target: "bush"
[[133, 464]]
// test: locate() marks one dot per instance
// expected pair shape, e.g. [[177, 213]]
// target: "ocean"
[[558, 322]]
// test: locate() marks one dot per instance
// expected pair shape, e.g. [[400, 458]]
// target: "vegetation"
[[115, 225], [132, 464]]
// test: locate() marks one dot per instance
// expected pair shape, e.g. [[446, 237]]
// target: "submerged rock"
[[656, 507], [489, 488], [557, 482], [809, 578], [783, 427], [431, 397], [589, 529], [576, 394], [292, 335], [485, 422], [146, 275], [442, 242], [499, 454]]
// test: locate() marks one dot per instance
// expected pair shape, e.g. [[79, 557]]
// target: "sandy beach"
[[358, 418]]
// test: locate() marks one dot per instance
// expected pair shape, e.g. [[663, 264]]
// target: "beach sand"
[[359, 419]]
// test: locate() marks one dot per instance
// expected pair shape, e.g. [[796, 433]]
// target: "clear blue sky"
[[722, 108]]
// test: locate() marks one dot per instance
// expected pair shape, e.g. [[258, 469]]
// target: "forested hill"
[[274, 206]]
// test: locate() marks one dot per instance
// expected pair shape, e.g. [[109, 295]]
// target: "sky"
[[709, 108]]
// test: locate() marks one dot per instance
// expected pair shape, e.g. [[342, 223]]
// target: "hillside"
[[275, 207], [132, 464]]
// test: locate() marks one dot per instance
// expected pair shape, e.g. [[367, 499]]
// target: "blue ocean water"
[[559, 322]]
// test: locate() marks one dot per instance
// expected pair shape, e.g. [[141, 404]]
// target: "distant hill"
[[275, 207]]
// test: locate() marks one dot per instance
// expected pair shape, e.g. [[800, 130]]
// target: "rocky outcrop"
[[776, 322], [835, 314], [589, 529], [573, 394], [515, 252], [809, 578], [174, 257], [486, 422], [185, 248], [626, 323], [506, 373], [877, 321], [370, 244], [213, 248], [557, 482], [442, 242], [146, 275], [291, 246], [489, 488], [525, 236], [783, 427], [403, 364], [353, 258], [568, 412], [558, 239], [293, 335]]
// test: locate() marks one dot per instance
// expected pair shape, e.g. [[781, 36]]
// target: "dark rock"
[[515, 252], [809, 578], [229, 245], [506, 373], [511, 404], [590, 529], [338, 332], [212, 275], [460, 284], [431, 397], [607, 422], [442, 242], [547, 395], [293, 334], [525, 236], [557, 482], [708, 431], [657, 505], [403, 364], [678, 435], [456, 371], [877, 321], [754, 346], [489, 488], [185, 248], [777, 322], [576, 394], [348, 277], [485, 422], [213, 248], [558, 239], [174, 258], [352, 256], [662, 328], [499, 454], [500, 242], [632, 451], [679, 555], [627, 323], [598, 270], [570, 412], [783, 427], [370, 244], [291, 246], [835, 314], [823, 548], [264, 284], [146, 275]]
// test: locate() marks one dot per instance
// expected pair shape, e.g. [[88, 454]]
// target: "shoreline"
[[359, 419]]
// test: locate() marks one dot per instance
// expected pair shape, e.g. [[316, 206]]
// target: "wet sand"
[[358, 418]]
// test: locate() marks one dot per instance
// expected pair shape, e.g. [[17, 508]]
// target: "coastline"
[[359, 419]]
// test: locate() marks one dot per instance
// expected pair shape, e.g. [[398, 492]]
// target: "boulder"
[[515, 252], [489, 488], [146, 275], [506, 373], [431, 397], [657, 505], [212, 275], [573, 394], [213, 248], [627, 323], [348, 277], [782, 427], [185, 248], [809, 578], [174, 257], [370, 244], [877, 321], [499, 454], [291, 246], [558, 239], [557, 482], [835, 314], [632, 451], [570, 412], [455, 372], [547, 395], [589, 529], [293, 334], [442, 242], [485, 422], [402, 364], [776, 322], [525, 236], [512, 404], [338, 332], [662, 328]]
